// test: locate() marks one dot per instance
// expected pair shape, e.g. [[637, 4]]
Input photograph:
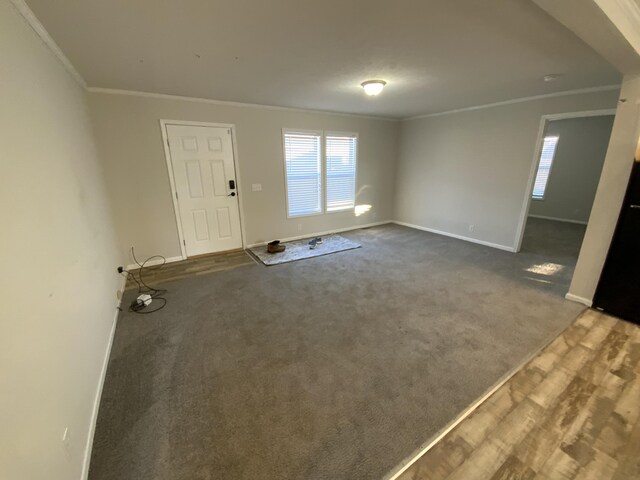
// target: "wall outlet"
[[256, 187], [472, 227]]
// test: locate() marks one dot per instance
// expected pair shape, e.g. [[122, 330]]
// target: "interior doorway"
[[202, 170], [569, 158], [618, 291]]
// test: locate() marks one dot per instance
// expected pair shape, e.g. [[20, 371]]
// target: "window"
[[544, 167], [304, 167], [303, 173], [341, 172]]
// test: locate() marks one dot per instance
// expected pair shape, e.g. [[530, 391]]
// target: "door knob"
[[232, 194]]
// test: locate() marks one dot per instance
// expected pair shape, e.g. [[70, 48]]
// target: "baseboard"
[[151, 263], [576, 298], [556, 219], [103, 373], [453, 235], [320, 234]]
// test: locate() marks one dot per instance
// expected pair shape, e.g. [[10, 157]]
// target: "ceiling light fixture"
[[551, 77], [373, 87]]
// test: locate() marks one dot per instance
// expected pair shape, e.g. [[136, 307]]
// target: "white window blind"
[[341, 172], [304, 173], [544, 167]]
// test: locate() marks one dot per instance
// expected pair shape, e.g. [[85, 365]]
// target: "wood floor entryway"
[[570, 413], [199, 265]]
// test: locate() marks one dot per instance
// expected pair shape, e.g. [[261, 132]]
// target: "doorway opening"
[[619, 286], [570, 153]]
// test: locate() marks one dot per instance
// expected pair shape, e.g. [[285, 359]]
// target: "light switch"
[[256, 187]]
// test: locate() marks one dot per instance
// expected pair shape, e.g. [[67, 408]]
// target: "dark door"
[[618, 291]]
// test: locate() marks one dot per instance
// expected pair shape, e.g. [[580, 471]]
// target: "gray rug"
[[299, 249], [335, 368]]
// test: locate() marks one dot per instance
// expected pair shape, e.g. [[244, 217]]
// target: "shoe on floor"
[[275, 247], [312, 243], [318, 240]]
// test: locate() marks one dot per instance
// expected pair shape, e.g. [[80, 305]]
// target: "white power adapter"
[[144, 300]]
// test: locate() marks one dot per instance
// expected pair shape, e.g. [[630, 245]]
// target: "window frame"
[[323, 168], [333, 133], [553, 158], [302, 131]]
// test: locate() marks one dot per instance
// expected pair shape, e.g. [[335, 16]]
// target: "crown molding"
[[39, 29], [24, 10], [579, 91], [625, 15], [164, 96]]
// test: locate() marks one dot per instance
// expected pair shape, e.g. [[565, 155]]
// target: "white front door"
[[206, 188]]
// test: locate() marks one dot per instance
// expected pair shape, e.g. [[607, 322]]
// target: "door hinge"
[[176, 195], [228, 131], [184, 242]]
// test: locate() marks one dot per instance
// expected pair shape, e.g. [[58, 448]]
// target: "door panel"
[[618, 291], [219, 181], [224, 222], [189, 144], [203, 165], [194, 179], [215, 145], [201, 225]]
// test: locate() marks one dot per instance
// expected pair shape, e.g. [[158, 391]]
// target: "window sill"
[[302, 215], [341, 210]]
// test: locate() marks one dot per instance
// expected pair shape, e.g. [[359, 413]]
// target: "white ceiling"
[[436, 55]]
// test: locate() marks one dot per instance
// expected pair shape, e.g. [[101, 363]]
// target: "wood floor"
[[570, 413], [200, 265]]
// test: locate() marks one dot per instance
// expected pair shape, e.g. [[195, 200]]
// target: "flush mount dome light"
[[373, 87]]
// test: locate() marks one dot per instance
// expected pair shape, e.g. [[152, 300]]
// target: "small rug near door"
[[299, 249]]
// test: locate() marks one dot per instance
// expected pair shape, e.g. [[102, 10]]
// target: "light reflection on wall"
[[362, 209]]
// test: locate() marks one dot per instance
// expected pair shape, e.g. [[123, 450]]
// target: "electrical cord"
[[143, 288]]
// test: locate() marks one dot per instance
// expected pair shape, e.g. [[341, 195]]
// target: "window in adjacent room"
[[303, 166], [544, 166], [340, 171], [306, 166]]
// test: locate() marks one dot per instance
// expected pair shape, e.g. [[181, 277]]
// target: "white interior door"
[[206, 189]]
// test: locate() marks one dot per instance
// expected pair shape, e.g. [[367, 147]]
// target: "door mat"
[[299, 249]]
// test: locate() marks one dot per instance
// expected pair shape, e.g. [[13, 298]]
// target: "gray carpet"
[[337, 367]]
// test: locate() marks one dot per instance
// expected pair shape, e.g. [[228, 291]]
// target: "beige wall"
[[58, 287], [610, 193], [576, 168], [473, 167], [129, 140]]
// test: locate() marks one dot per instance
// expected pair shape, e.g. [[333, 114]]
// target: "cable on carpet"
[[155, 293]]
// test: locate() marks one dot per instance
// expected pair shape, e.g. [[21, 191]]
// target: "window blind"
[[304, 171], [341, 172], [544, 167]]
